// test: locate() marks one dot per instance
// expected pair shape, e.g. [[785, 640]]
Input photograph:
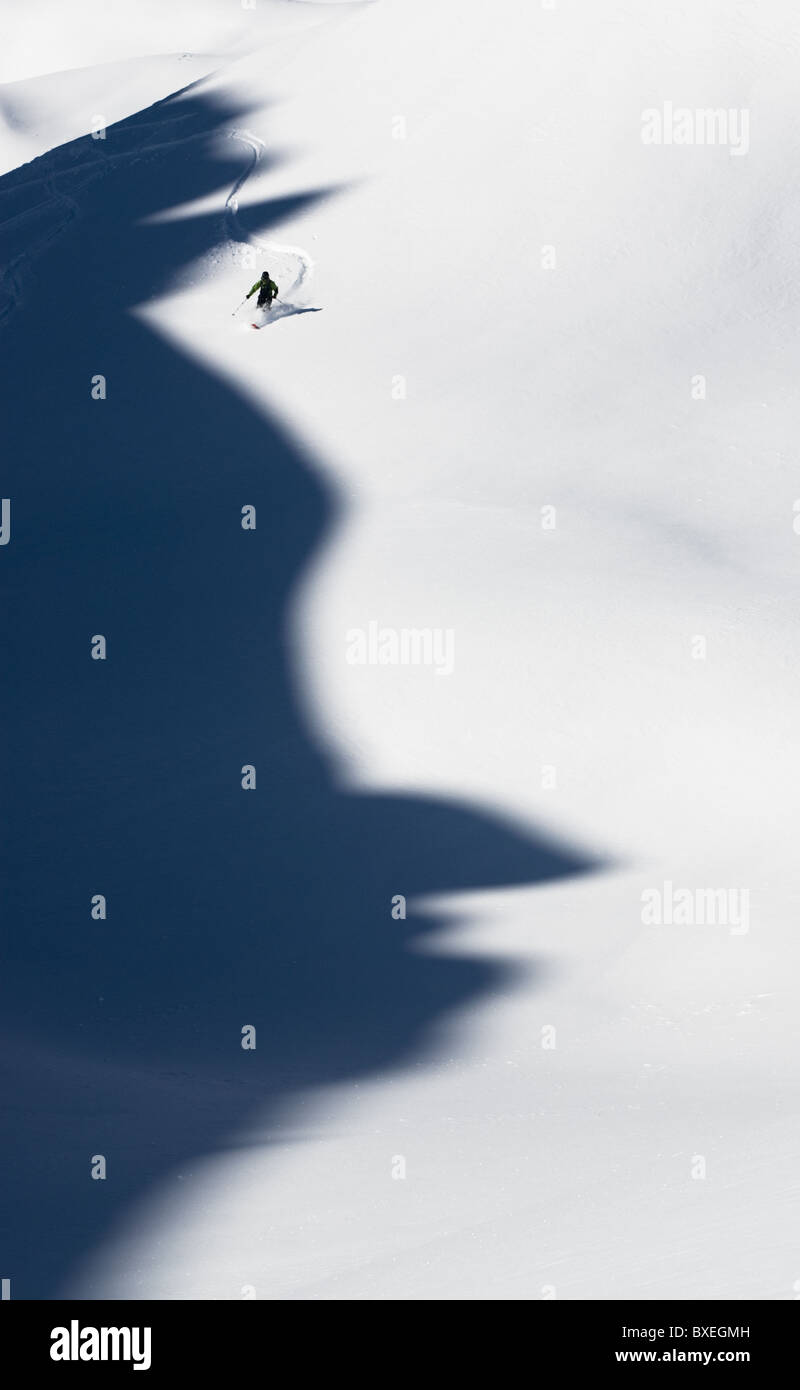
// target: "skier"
[[267, 291]]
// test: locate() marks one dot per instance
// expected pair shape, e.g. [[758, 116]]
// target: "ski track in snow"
[[58, 209], [292, 259], [11, 276]]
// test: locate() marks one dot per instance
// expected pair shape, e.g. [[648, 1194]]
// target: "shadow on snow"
[[225, 908]]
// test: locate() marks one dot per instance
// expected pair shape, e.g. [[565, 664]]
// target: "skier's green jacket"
[[266, 285]]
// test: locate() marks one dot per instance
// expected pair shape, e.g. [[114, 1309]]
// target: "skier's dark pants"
[[264, 301]]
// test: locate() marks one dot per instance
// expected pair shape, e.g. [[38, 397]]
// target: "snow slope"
[[402, 169], [62, 78]]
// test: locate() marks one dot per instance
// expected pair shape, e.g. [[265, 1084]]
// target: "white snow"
[[451, 387]]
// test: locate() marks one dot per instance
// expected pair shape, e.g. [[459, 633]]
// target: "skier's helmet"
[[265, 275]]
